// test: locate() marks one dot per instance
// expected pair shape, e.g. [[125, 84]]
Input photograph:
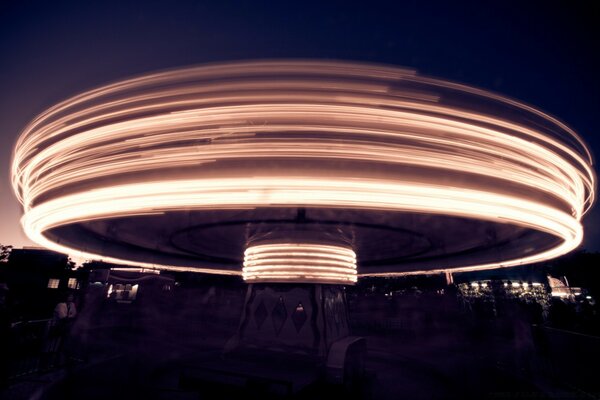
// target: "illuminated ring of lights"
[[287, 134], [299, 262]]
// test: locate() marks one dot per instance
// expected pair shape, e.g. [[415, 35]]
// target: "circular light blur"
[[299, 262], [300, 134]]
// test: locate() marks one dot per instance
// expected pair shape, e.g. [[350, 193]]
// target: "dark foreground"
[[139, 350]]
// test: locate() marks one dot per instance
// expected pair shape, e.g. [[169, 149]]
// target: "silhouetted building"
[[37, 280]]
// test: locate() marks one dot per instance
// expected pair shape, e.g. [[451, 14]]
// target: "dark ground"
[[423, 347]]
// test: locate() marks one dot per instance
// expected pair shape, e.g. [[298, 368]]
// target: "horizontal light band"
[[284, 262], [235, 193]]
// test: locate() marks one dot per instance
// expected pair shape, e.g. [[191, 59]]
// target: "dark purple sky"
[[541, 53]]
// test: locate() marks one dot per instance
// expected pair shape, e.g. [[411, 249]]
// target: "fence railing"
[[34, 346]]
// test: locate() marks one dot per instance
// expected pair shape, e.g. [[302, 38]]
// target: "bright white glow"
[[516, 284], [299, 262], [537, 284], [475, 285], [138, 270], [300, 134]]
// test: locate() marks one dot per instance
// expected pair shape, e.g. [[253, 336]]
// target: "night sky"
[[541, 53]]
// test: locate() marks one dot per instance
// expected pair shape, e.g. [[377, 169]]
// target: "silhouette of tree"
[[4, 252]]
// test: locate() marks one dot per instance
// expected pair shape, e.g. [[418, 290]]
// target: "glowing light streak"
[[307, 134], [282, 262]]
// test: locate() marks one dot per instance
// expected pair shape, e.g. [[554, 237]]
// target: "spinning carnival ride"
[[302, 171]]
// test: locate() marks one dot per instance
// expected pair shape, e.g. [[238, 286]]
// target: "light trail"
[[301, 134], [299, 262]]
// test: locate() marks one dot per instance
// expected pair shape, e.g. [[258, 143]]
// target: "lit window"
[[72, 283], [122, 293], [53, 283]]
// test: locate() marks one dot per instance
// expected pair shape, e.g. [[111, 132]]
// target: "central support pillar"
[[295, 301], [294, 329], [301, 319]]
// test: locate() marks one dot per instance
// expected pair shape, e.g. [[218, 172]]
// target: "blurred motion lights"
[[299, 262], [299, 134]]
